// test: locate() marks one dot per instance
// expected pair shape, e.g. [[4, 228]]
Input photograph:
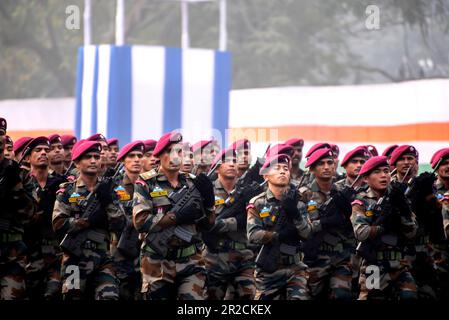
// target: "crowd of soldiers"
[[169, 220]]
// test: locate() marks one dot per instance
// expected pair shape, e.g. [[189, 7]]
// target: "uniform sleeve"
[[144, 219], [24, 203], [116, 216], [61, 221], [302, 223], [361, 222], [254, 227]]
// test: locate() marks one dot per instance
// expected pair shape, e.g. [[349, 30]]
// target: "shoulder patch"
[[250, 206], [140, 182], [358, 202], [148, 175]]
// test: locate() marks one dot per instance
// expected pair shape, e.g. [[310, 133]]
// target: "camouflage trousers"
[[441, 258], [231, 269], [44, 272], [395, 282], [90, 276], [330, 277], [128, 274], [289, 282], [167, 279], [12, 270]]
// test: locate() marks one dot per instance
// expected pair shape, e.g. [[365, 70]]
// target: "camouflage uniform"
[[44, 253], [391, 260], [127, 266], [16, 208], [297, 177], [96, 268], [290, 280], [328, 254], [182, 273], [232, 261]]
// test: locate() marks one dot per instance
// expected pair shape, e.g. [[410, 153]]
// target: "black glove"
[[241, 220], [399, 202], [402, 186], [290, 203], [188, 215], [109, 172], [206, 189], [332, 220], [343, 199], [105, 192], [424, 184], [289, 235]]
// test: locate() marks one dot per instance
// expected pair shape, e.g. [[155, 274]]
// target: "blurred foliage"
[[273, 42]]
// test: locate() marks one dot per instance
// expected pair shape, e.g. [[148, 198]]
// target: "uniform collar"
[[371, 194], [439, 185], [270, 195]]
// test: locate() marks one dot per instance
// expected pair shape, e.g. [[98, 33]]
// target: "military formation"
[[165, 219]]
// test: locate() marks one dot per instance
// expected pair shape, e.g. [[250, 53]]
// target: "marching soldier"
[[16, 209], [405, 159], [98, 137], [85, 213], [352, 163], [149, 161], [382, 222], [56, 155], [187, 160], [113, 152], [328, 252], [276, 224], [68, 141], [203, 155], [171, 262], [228, 259], [297, 145], [307, 177], [388, 150], [243, 149]]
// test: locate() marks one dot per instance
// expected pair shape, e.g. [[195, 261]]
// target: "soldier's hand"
[[289, 235], [188, 215], [206, 189], [82, 223], [105, 193], [290, 203], [424, 184], [241, 220]]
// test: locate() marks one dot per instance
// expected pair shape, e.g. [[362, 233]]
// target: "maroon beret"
[[224, 153], [387, 152], [20, 144], [54, 138], [372, 150], [400, 151], [360, 151], [8, 140], [36, 142], [83, 146], [165, 141], [280, 148], [112, 141], [317, 146], [241, 144], [133, 146], [273, 160], [78, 143], [97, 137], [318, 155], [3, 124], [335, 149], [438, 156], [68, 139], [149, 145], [374, 163], [197, 147], [186, 146], [295, 142]]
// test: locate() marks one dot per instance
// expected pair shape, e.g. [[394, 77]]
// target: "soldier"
[[149, 161], [19, 147], [382, 220], [203, 154], [85, 212], [243, 149], [275, 222], [9, 148], [336, 150], [113, 152], [328, 252], [307, 177], [228, 259], [352, 163], [68, 141], [296, 173], [56, 155], [15, 210], [405, 159], [388, 150], [125, 246], [171, 263], [104, 151], [43, 269], [187, 159]]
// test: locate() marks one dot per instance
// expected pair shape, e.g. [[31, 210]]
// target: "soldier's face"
[[297, 156], [171, 158], [113, 151], [443, 169], [39, 156], [208, 154], [379, 179], [68, 153], [187, 162], [324, 169], [149, 161], [405, 162], [353, 166], [2, 143], [104, 153], [278, 175], [9, 152], [133, 162], [228, 168], [56, 153], [89, 163], [243, 158]]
